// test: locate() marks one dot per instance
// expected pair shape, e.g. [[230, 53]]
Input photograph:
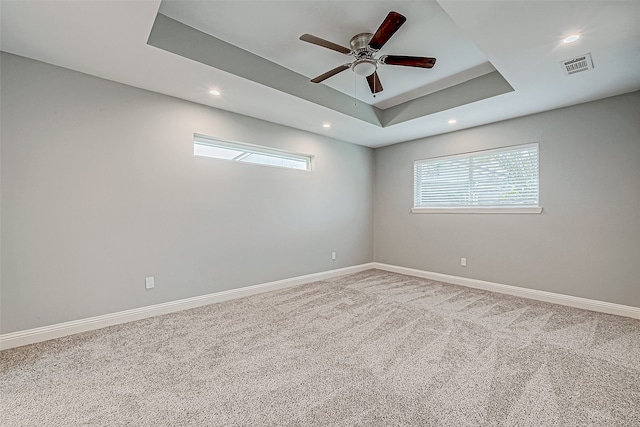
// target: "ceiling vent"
[[577, 64]]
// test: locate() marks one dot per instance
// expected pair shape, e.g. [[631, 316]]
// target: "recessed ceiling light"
[[452, 121], [326, 125], [214, 92], [571, 38]]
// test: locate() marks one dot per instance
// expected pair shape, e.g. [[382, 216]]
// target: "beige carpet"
[[368, 349]]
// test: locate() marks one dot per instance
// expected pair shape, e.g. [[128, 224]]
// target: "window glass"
[[249, 153]]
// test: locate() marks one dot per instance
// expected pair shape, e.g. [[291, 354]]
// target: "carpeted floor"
[[367, 349]]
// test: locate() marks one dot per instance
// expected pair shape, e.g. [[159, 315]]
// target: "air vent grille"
[[577, 64]]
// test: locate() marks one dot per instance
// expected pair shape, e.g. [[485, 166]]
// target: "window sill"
[[475, 210]]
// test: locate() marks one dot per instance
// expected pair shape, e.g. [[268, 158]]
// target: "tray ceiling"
[[519, 42]]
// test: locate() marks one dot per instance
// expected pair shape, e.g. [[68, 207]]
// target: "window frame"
[[248, 149], [509, 208]]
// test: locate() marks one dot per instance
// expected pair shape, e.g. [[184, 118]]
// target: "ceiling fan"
[[364, 47]]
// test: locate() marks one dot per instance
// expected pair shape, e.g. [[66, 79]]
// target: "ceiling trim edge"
[[476, 89], [181, 39]]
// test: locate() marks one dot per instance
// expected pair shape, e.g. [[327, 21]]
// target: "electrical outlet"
[[333, 256], [149, 283], [463, 262]]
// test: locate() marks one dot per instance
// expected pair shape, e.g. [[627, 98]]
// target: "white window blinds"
[[492, 180]]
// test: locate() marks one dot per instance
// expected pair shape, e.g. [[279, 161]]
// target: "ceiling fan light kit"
[[364, 47], [364, 67]]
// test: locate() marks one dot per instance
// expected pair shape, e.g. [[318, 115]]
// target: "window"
[[249, 153], [501, 180]]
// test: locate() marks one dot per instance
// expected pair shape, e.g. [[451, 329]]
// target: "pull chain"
[[374, 84], [355, 90]]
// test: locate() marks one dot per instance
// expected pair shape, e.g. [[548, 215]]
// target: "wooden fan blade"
[[324, 43], [331, 73], [374, 83], [409, 61], [389, 26]]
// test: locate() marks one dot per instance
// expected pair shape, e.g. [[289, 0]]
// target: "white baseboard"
[[30, 336], [571, 301]]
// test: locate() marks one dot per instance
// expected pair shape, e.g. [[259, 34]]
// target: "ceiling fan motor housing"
[[360, 44], [365, 64]]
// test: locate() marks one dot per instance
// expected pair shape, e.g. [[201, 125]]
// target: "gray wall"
[[586, 242], [100, 189]]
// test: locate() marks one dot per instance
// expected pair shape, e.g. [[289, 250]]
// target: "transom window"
[[249, 153], [502, 180]]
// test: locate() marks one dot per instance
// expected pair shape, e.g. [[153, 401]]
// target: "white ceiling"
[[521, 39]]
